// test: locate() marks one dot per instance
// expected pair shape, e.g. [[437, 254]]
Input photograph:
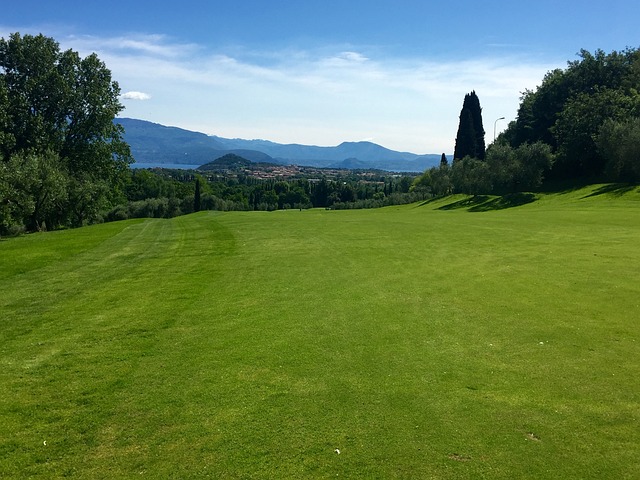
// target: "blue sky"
[[324, 72]]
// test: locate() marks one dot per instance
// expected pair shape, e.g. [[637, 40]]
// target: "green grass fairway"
[[454, 339]]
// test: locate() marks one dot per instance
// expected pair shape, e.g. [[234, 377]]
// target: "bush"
[[471, 176], [518, 169], [619, 143], [173, 208], [149, 208], [119, 212]]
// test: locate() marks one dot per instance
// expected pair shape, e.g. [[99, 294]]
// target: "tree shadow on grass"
[[510, 200], [427, 202], [468, 203], [613, 189], [486, 203], [431, 200]]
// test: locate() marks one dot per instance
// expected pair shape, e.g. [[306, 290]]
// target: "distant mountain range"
[[152, 143]]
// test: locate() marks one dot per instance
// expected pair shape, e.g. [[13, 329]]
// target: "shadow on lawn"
[[468, 203], [485, 203], [613, 189]]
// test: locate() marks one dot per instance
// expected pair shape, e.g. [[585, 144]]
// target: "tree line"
[[582, 124], [168, 193]]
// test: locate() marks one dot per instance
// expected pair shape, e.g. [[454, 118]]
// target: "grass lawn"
[[453, 339]]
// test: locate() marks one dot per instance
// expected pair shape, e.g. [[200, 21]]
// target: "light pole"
[[494, 128]]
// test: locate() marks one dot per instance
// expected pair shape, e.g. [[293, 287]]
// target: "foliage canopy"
[[580, 124], [569, 108], [61, 156]]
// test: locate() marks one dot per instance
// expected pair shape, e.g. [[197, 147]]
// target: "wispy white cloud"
[[344, 60], [154, 45], [135, 96], [318, 97]]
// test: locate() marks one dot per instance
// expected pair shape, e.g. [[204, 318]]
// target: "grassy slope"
[[421, 343]]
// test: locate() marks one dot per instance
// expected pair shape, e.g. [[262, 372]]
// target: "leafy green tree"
[[295, 197], [58, 105], [404, 184], [539, 109], [533, 161], [143, 184], [619, 144], [435, 181], [34, 190], [348, 193], [270, 197], [578, 124], [16, 203], [470, 136], [6, 139], [518, 169], [281, 187], [471, 175], [503, 166], [88, 196], [567, 110]]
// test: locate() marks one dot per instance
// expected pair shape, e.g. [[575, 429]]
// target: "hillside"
[[423, 341], [230, 161], [152, 143], [157, 144]]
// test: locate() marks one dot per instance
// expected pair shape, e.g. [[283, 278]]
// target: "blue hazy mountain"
[[152, 143]]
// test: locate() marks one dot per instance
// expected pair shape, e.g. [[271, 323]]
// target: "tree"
[[57, 111], [35, 190], [471, 175], [518, 169], [443, 160], [476, 115], [503, 166], [619, 144], [466, 138], [197, 202], [404, 184], [347, 193], [435, 181], [539, 109], [6, 139], [577, 127], [143, 184], [470, 136], [568, 109]]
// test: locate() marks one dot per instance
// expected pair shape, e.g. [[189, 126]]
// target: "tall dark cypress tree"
[[470, 137], [466, 138], [476, 114], [196, 198]]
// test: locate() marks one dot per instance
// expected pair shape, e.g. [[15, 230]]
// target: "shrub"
[[619, 143], [119, 212]]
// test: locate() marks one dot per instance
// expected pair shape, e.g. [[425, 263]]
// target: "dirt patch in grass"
[[532, 436], [459, 458]]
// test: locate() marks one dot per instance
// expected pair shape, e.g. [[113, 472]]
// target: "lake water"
[[181, 166]]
